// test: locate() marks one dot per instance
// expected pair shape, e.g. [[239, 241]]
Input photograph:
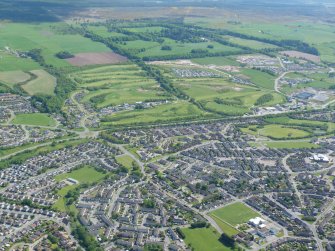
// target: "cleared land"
[[35, 119], [91, 58], [301, 55], [43, 84], [204, 239], [235, 214]]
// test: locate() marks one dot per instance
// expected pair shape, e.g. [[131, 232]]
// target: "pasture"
[[44, 83], [10, 62], [204, 239], [10, 78], [34, 119], [235, 214], [51, 38]]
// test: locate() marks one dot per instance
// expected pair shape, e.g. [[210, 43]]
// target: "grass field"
[[12, 63], [226, 228], [235, 214], [236, 99], [260, 79], [87, 175], [50, 37], [34, 119], [125, 161], [220, 61], [176, 111], [250, 43], [291, 144], [43, 84], [204, 239], [300, 122], [10, 78], [277, 132]]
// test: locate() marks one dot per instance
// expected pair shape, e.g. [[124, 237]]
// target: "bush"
[[64, 55]]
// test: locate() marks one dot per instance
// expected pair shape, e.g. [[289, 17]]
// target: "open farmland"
[[91, 58], [10, 62], [118, 84], [51, 38], [44, 83], [11, 78]]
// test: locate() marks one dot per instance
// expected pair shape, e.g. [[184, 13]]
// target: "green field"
[[34, 119], [291, 144], [10, 62], [125, 161], [235, 214], [43, 84], [276, 131], [176, 111], [235, 99], [10, 78], [220, 61], [117, 85], [87, 175], [226, 228], [250, 43], [303, 123], [204, 239], [50, 37]]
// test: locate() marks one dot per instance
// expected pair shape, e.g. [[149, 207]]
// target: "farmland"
[[50, 38], [44, 83]]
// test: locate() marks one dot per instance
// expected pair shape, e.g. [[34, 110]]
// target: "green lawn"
[[34, 119], [235, 214], [220, 61], [83, 175], [43, 84], [276, 131], [125, 160], [87, 175], [291, 144], [226, 228], [204, 239]]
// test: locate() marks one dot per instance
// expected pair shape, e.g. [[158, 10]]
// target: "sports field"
[[204, 239], [87, 175], [34, 119], [235, 214]]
